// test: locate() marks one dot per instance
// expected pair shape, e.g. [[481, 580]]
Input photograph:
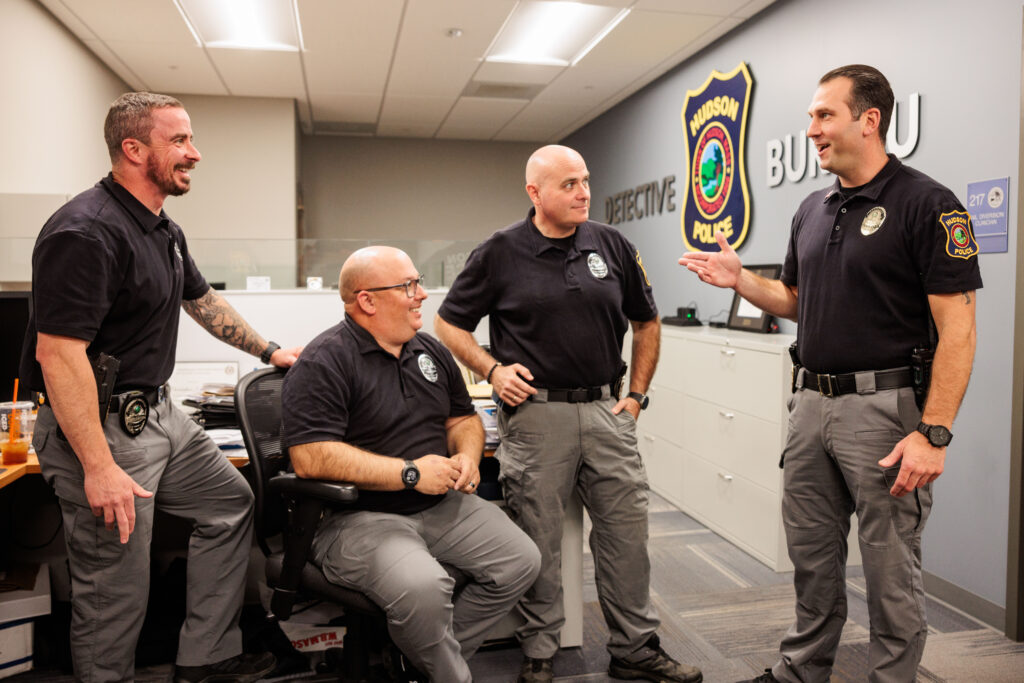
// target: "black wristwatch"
[[937, 435], [410, 474], [642, 399], [268, 352]]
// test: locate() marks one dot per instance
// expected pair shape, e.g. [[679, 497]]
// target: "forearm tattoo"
[[224, 322]]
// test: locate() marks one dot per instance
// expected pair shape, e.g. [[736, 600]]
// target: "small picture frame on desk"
[[746, 316]]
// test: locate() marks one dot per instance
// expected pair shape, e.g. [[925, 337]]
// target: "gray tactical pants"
[[190, 478], [548, 451], [395, 560], [831, 470]]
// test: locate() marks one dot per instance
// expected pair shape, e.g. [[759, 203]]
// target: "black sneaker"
[[651, 663], [244, 668], [536, 671], [766, 677]]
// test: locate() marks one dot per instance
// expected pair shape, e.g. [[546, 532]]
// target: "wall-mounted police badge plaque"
[[716, 198], [598, 268], [960, 242], [427, 367]]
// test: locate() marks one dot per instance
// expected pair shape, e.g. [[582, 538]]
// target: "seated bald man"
[[375, 402]]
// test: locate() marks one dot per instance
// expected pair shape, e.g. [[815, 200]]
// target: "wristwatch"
[[642, 399], [268, 352], [937, 435], [410, 474]]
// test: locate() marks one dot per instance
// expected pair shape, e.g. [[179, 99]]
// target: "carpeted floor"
[[725, 612]]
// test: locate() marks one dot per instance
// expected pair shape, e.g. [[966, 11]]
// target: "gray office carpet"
[[725, 612]]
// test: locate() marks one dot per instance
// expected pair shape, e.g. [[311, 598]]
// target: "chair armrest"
[[293, 486]]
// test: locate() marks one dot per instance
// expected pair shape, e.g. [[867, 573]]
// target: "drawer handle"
[[727, 416], [727, 352], [725, 477]]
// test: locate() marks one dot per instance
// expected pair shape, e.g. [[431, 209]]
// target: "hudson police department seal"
[[598, 268], [873, 221], [427, 367]]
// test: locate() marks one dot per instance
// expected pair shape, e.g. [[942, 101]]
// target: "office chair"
[[292, 507]]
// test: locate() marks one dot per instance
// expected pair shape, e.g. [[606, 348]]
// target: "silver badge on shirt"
[[177, 252], [598, 268], [872, 221], [428, 368]]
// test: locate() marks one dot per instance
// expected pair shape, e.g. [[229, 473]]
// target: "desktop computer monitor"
[[14, 312]]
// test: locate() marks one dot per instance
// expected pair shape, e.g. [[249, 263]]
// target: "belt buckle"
[[576, 396], [831, 390]]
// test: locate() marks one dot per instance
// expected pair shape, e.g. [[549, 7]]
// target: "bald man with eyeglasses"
[[375, 402]]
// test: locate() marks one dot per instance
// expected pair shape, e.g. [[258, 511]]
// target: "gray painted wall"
[[403, 189], [966, 65]]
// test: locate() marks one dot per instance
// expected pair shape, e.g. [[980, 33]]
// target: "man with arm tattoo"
[[109, 271]]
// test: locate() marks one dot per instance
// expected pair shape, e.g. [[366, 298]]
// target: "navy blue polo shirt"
[[346, 387], [559, 310], [107, 270], [865, 264]]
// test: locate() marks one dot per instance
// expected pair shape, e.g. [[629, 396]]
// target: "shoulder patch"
[[960, 242]]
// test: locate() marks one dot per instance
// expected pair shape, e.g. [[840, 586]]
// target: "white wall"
[[965, 62]]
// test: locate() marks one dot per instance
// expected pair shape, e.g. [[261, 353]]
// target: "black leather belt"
[[154, 397], [837, 385], [585, 395]]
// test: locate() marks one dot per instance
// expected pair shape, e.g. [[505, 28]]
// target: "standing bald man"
[[560, 292], [376, 403]]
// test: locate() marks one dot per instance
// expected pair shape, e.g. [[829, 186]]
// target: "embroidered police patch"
[[598, 268], [872, 221], [427, 367], [960, 242]]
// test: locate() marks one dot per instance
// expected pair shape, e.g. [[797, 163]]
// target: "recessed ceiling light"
[[244, 24], [553, 33]]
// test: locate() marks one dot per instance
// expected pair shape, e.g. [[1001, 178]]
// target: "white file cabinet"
[[714, 431]]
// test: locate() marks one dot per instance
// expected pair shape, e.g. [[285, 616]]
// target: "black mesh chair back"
[[258, 403]]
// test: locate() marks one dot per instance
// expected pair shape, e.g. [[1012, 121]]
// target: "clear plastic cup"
[[17, 420]]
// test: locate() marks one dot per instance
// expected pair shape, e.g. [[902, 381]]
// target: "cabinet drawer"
[[738, 509], [736, 441], [742, 379], [663, 462], [664, 414]]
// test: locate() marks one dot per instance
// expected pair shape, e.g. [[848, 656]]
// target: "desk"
[[12, 473]]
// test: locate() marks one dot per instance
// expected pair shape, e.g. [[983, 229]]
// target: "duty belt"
[[583, 395], [837, 385], [153, 396]]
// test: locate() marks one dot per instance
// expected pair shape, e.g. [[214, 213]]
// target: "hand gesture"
[[469, 476], [510, 383], [111, 493], [437, 474], [721, 268], [922, 463]]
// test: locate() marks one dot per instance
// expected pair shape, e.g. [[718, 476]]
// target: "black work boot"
[[244, 668], [651, 663], [536, 671]]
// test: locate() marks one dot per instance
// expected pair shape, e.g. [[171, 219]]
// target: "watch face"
[[939, 436], [410, 475]]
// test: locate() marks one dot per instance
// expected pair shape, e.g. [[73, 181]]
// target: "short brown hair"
[[869, 90], [130, 116]]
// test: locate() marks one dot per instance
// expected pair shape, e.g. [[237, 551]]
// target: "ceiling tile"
[[646, 38], [182, 70], [752, 8], [348, 44], [427, 61], [351, 107], [248, 73], [479, 117], [151, 21], [117, 65], [408, 109], [718, 8]]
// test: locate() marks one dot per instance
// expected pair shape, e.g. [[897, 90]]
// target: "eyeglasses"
[[409, 285]]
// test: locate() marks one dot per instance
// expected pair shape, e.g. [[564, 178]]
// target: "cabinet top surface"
[[727, 337]]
